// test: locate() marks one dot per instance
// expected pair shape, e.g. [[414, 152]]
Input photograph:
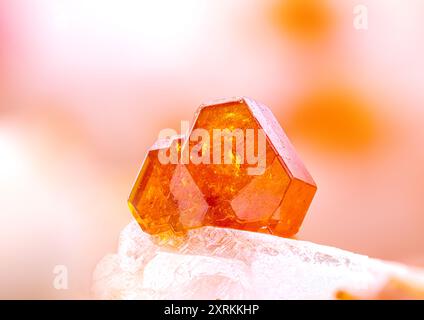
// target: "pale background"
[[86, 85]]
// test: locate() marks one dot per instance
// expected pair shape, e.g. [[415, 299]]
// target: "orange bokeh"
[[304, 19], [335, 119]]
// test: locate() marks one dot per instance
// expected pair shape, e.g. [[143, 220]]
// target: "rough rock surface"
[[217, 263]]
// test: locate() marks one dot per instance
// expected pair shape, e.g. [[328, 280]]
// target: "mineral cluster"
[[236, 168]]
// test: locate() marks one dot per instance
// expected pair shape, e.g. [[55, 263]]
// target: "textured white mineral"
[[217, 263]]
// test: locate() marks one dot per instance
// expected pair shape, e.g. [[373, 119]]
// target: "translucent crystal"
[[174, 197]]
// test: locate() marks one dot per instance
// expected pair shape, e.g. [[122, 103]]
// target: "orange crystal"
[[175, 197]]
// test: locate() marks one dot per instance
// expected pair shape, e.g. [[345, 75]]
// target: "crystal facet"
[[175, 197]]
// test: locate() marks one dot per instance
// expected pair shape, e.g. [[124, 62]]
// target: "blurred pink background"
[[86, 85]]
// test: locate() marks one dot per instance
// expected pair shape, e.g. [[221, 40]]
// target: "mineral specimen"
[[236, 169]]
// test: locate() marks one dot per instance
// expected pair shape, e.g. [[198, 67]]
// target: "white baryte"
[[218, 263]]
